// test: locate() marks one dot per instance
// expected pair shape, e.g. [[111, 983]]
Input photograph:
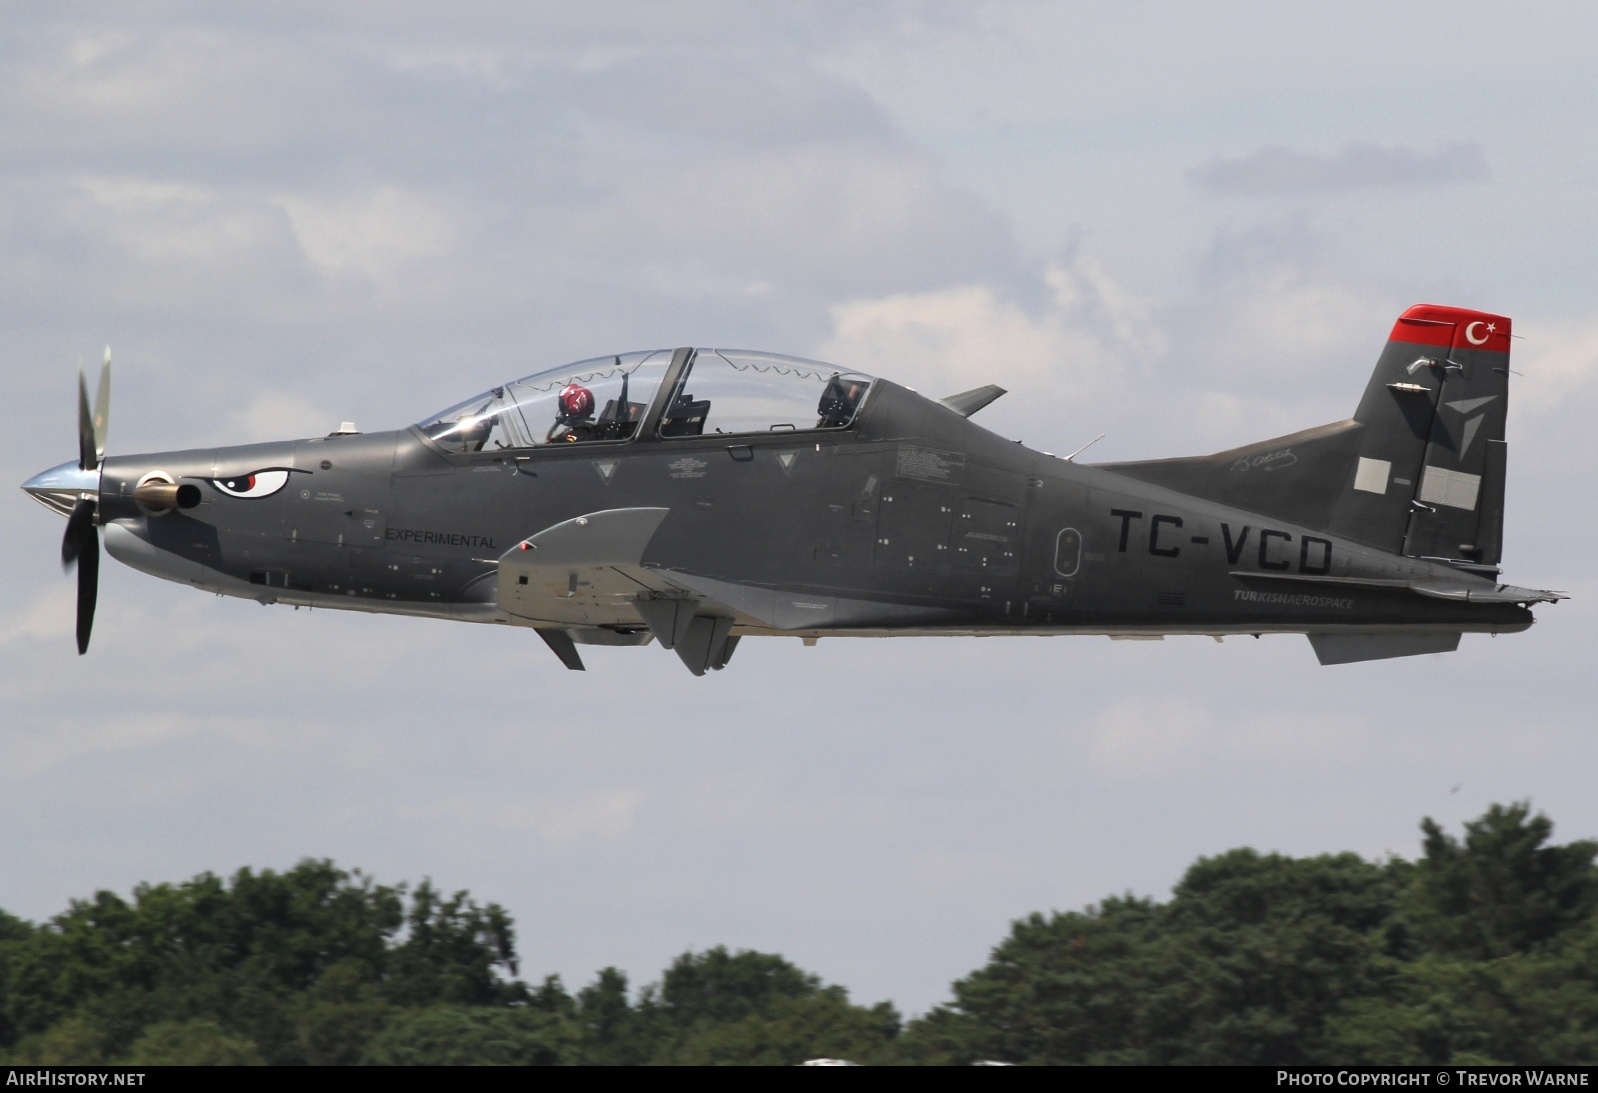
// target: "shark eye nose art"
[[259, 484]]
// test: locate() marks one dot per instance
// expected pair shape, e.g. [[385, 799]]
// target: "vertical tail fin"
[[1418, 470], [1427, 479]]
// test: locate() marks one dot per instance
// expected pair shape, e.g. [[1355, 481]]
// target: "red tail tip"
[[1452, 328]]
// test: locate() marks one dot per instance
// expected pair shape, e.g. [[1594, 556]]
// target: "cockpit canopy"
[[720, 392]]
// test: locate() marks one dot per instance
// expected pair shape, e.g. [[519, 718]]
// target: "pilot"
[[838, 402], [574, 415]]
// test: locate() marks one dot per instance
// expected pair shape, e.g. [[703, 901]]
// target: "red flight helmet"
[[576, 402]]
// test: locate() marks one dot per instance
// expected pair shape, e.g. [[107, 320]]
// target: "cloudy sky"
[[1188, 227]]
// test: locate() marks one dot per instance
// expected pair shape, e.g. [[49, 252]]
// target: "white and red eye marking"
[[259, 484]]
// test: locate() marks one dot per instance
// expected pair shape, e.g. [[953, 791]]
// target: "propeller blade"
[[80, 528], [81, 545], [88, 587], [86, 458], [102, 408]]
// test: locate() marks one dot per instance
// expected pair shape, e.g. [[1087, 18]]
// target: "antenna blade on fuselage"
[[969, 402]]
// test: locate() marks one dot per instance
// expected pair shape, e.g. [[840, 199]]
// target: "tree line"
[[1484, 949]]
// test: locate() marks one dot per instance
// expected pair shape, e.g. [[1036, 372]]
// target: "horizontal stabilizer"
[[1305, 578], [1352, 648], [969, 402], [1438, 588], [1504, 593]]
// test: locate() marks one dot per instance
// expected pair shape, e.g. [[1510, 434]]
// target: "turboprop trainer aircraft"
[[695, 497]]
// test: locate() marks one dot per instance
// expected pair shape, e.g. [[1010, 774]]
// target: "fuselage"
[[913, 519]]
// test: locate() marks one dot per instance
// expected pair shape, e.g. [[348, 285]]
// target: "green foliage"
[[1243, 965], [818, 1025], [317, 965], [1538, 1007], [607, 1019], [1502, 891], [1485, 950], [476, 1036], [303, 965], [190, 1043], [717, 986], [339, 1015], [75, 1041], [718, 1007]]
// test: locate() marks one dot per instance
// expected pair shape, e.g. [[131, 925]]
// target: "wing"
[[585, 577], [587, 573]]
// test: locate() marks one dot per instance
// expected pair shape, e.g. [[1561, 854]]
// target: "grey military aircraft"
[[694, 497]]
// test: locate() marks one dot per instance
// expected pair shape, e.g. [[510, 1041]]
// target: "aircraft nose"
[[60, 488]]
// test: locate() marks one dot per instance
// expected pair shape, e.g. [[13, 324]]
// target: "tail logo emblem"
[[1470, 332]]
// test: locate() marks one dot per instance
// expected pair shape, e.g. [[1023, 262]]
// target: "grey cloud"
[[601, 189], [1251, 249], [1357, 165]]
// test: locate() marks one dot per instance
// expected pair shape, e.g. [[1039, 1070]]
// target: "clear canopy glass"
[[723, 391], [732, 391], [604, 400]]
